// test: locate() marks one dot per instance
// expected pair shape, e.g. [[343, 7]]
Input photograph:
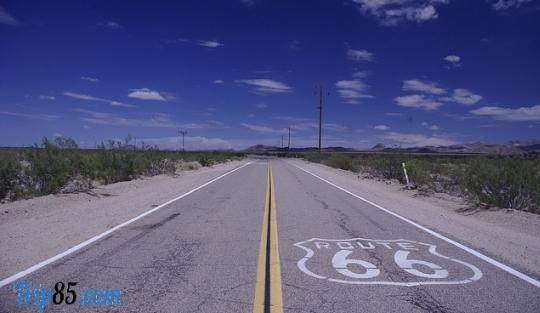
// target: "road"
[[275, 238]]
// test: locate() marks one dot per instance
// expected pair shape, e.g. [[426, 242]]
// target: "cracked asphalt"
[[199, 254]]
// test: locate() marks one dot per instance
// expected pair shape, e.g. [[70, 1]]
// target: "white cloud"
[[210, 43], [6, 18], [507, 4], [508, 114], [251, 115], [261, 106], [359, 55], [353, 90], [264, 129], [191, 143], [422, 86], [393, 12], [381, 127], [149, 94], [418, 140], [44, 117], [90, 79], [430, 127], [265, 86], [463, 96], [219, 81], [418, 101], [42, 97], [158, 120], [110, 25], [92, 98], [453, 60]]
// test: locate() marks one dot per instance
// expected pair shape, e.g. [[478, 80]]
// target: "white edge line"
[[496, 263], [83, 244]]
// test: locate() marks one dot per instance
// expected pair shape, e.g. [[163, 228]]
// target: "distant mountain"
[[511, 147]]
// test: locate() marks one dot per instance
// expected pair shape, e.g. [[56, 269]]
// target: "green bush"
[[506, 182], [45, 169]]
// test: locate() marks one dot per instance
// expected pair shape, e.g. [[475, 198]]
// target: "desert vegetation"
[[59, 165], [498, 181]]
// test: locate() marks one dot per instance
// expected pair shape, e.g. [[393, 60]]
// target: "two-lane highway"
[[279, 239]]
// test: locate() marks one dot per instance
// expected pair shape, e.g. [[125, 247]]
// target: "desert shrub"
[[505, 182], [9, 177], [52, 165], [341, 161]]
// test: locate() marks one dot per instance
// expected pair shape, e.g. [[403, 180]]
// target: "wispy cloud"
[[44, 117], [417, 140], [431, 96], [261, 105], [110, 25], [92, 98], [6, 18], [219, 81], [430, 127], [191, 143], [210, 43], [381, 127], [355, 89], [418, 101], [264, 129], [302, 123], [423, 86], [359, 55], [265, 86], [158, 120], [149, 94], [463, 96], [393, 12], [509, 114], [453, 60], [507, 4], [44, 97], [90, 79]]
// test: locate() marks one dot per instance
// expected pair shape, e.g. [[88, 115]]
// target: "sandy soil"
[[507, 235], [36, 229]]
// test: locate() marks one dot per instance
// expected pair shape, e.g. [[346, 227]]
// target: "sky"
[[241, 72]]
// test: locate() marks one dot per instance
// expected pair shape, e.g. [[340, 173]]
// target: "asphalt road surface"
[[275, 239]]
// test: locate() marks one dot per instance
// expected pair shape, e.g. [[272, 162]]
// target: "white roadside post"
[[406, 176]]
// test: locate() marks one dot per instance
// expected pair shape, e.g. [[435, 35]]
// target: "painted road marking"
[[268, 295], [491, 261], [400, 262], [83, 244]]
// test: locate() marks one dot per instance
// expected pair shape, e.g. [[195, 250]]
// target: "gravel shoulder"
[[36, 229], [507, 235]]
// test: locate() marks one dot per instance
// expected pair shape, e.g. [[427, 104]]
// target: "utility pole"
[[281, 142], [320, 107], [289, 144], [183, 133]]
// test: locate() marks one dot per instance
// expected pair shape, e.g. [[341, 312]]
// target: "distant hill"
[[511, 147]]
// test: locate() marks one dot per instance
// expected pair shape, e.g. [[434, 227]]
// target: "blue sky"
[[240, 72]]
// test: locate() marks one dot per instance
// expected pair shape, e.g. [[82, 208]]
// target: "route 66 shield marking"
[[398, 262]]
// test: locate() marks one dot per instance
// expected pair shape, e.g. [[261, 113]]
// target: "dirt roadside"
[[510, 236], [36, 229]]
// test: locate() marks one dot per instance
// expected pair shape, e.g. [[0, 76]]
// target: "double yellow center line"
[[268, 297]]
